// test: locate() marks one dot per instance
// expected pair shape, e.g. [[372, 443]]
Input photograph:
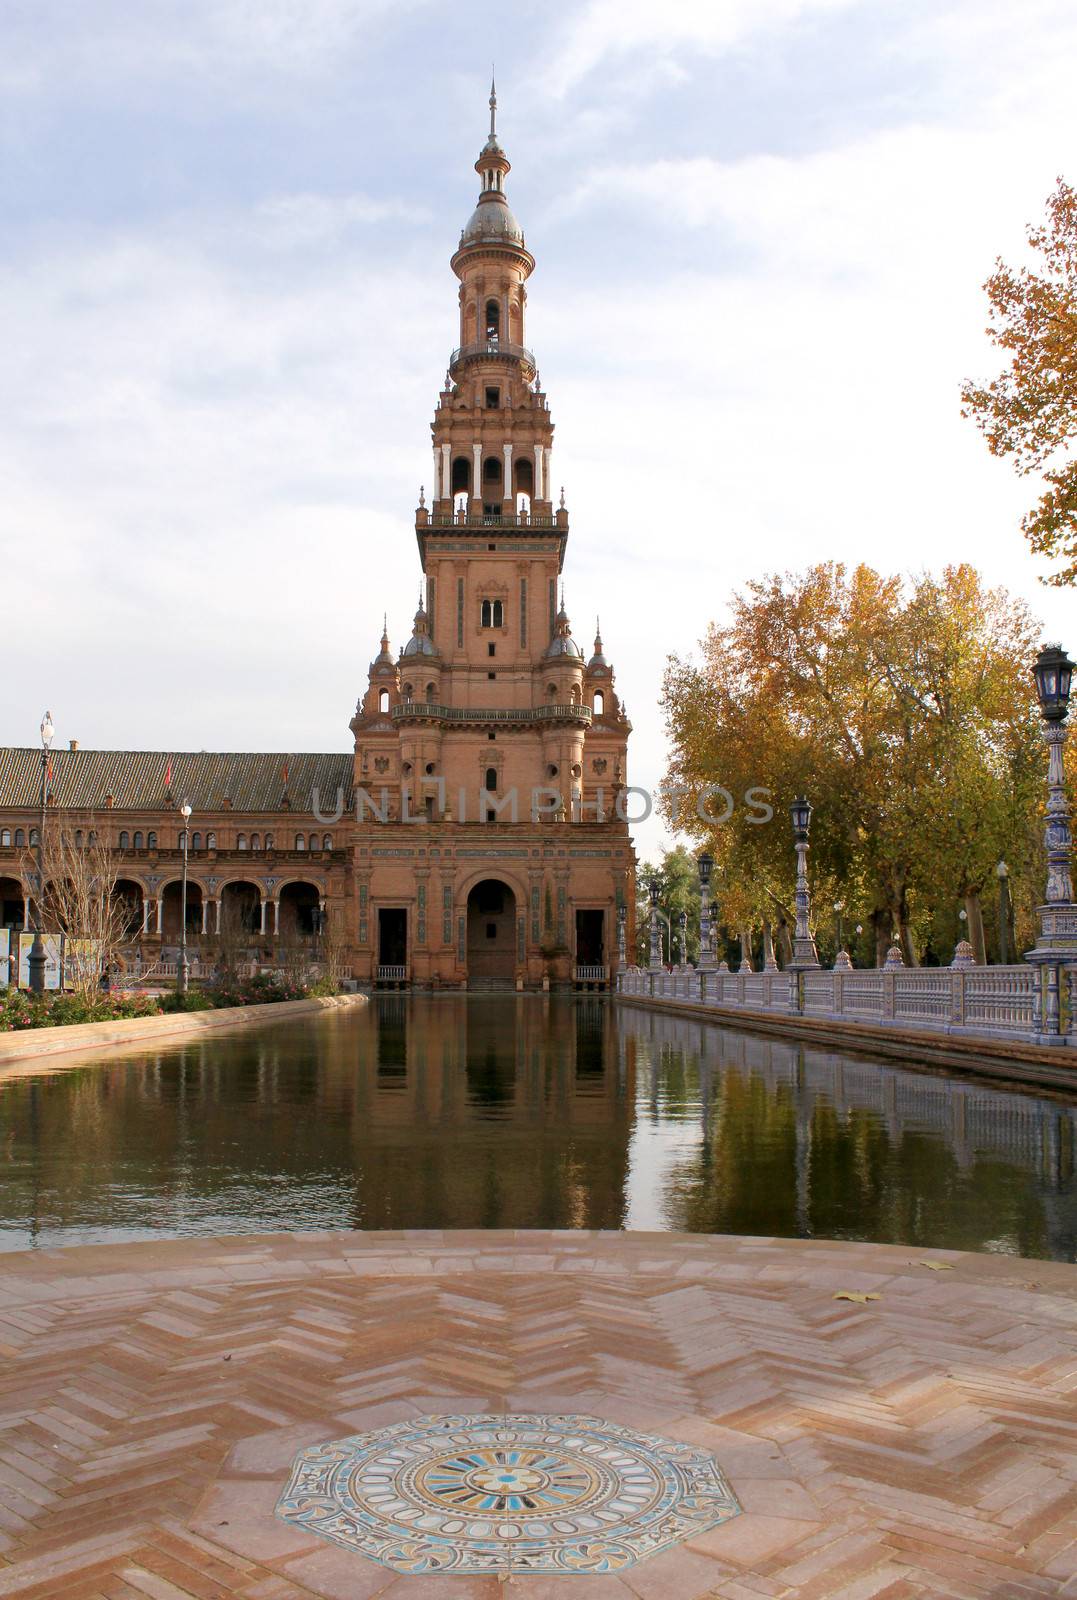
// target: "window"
[[92, 839], [431, 693], [491, 649], [600, 702], [20, 838], [300, 842], [5, 837], [327, 841], [491, 471], [78, 838], [491, 737], [461, 475], [151, 841], [314, 841], [211, 841], [493, 322], [491, 675], [196, 841], [33, 835], [492, 614], [525, 477], [256, 841], [269, 841], [493, 399], [125, 841], [383, 700], [491, 779], [551, 691], [138, 842]]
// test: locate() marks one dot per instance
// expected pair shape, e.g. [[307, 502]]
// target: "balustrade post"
[[1056, 948]]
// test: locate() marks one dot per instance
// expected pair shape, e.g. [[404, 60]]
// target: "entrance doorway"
[[392, 943], [590, 938], [491, 933]]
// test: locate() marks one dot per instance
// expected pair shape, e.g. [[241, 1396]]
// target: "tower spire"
[[493, 105]]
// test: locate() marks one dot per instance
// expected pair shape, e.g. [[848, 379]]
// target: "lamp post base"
[[37, 961]]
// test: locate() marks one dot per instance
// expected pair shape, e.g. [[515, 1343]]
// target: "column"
[[436, 496], [547, 475], [276, 916], [160, 914], [446, 473], [539, 480], [262, 915], [205, 915], [476, 472], [218, 927], [506, 320], [506, 487]]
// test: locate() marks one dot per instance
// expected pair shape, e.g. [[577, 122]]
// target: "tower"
[[490, 842]]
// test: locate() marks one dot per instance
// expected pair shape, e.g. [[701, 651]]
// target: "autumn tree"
[[80, 900], [678, 890], [1029, 412], [904, 710]]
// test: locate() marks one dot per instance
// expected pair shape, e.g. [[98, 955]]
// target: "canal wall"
[[34, 1043], [1005, 1059]]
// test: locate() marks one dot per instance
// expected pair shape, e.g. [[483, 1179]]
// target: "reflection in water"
[[505, 1111]]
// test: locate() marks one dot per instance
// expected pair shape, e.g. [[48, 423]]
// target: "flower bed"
[[20, 1010]]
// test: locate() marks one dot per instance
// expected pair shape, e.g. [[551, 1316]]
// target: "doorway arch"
[[491, 932]]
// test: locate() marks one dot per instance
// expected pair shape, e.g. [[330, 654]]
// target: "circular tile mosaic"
[[506, 1493]]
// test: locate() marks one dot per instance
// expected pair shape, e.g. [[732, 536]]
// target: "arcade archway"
[[491, 932]]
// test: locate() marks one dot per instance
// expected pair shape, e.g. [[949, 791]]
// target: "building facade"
[[476, 834]]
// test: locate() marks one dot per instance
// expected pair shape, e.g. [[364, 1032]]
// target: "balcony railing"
[[409, 709], [491, 350], [391, 974], [588, 973], [491, 519]]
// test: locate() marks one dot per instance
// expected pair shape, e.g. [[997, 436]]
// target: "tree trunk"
[[785, 940], [883, 927], [769, 962], [974, 912], [908, 944], [745, 949]]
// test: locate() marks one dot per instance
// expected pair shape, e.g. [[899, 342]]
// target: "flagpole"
[[38, 959]]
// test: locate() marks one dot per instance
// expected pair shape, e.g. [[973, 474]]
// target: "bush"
[[193, 1000], [19, 1009]]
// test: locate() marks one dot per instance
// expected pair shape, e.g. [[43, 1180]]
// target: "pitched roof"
[[253, 781]]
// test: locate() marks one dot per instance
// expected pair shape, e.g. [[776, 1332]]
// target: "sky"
[[761, 229]]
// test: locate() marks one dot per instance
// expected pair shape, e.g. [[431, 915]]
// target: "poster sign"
[[6, 973], [53, 944], [82, 960]]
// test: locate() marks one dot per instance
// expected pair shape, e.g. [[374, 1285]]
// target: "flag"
[[168, 774], [48, 770], [284, 774]]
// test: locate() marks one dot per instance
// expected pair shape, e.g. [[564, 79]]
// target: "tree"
[[1029, 412], [678, 890], [904, 710], [81, 902]]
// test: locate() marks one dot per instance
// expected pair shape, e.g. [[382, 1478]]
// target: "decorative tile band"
[[506, 1494]]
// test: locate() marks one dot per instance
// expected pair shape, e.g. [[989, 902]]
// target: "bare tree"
[[334, 945]]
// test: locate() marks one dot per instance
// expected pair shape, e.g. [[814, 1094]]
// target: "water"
[[505, 1112]]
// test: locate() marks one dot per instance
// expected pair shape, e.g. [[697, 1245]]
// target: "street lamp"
[[183, 969], [1002, 873], [705, 863], [839, 926], [805, 955], [37, 959], [682, 923], [1056, 948], [622, 921], [656, 938]]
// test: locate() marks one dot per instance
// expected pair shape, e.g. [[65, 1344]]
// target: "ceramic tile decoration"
[[496, 1494]]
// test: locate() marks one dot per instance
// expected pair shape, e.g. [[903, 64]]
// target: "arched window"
[[211, 841], [492, 614], [491, 778], [125, 841], [461, 475], [525, 476], [383, 700], [491, 471], [431, 693], [241, 841], [151, 841], [256, 841], [138, 841], [551, 691], [409, 691], [91, 838], [493, 322], [300, 842], [33, 835], [20, 838], [78, 838], [327, 841], [196, 841], [600, 702], [5, 837], [314, 841], [269, 841]]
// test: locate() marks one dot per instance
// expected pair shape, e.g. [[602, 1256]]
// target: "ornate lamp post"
[[805, 955], [706, 934], [839, 928], [622, 921], [1055, 950], [183, 968], [1002, 873], [656, 937], [37, 959], [682, 923]]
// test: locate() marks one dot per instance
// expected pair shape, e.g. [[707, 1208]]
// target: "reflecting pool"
[[516, 1112]]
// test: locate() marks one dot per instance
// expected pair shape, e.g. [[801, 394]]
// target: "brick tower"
[[490, 756]]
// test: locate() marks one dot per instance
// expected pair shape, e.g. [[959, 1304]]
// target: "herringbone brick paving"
[[921, 1444]]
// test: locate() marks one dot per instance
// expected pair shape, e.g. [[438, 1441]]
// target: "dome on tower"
[[492, 222], [420, 643], [562, 643]]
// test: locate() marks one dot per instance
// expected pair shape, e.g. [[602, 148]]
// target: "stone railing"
[[391, 973], [585, 972], [990, 1001]]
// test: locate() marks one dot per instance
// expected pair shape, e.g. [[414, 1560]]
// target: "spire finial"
[[493, 104], [562, 497]]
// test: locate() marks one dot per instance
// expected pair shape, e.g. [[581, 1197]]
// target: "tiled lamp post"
[[656, 937], [1055, 951], [805, 955], [622, 951], [706, 931], [682, 923]]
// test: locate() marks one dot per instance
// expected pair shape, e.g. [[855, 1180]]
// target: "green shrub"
[[194, 1000]]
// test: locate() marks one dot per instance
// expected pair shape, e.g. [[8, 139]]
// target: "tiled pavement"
[[152, 1398]]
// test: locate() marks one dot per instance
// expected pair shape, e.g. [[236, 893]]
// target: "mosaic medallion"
[[506, 1494]]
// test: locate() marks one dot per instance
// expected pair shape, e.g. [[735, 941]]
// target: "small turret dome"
[[562, 643], [420, 643]]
